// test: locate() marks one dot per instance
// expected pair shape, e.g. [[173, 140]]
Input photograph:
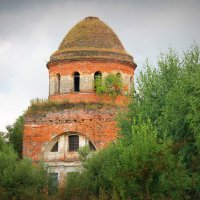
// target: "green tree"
[[157, 155], [19, 179], [169, 96], [15, 134], [141, 168]]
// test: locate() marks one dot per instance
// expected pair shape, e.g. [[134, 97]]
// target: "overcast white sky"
[[31, 30]]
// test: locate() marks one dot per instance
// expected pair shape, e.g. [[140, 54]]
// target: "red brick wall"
[[88, 67], [90, 98], [98, 125]]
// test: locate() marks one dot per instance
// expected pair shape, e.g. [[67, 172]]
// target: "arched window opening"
[[55, 147], [97, 74], [92, 147], [58, 83], [118, 75], [67, 144], [73, 142], [76, 82], [97, 79]]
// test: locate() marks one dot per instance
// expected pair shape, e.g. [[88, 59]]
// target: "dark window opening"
[[92, 147], [73, 142], [53, 183], [118, 75], [55, 147], [97, 74], [76, 82], [97, 79], [131, 78]]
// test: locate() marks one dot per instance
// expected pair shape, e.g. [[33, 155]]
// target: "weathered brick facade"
[[86, 70], [56, 135], [95, 123]]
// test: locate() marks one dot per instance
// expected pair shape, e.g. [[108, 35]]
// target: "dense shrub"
[[19, 179], [14, 134], [157, 155], [111, 85], [42, 106], [169, 96], [139, 169]]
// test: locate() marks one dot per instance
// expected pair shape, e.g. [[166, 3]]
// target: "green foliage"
[[84, 153], [15, 134], [42, 106], [169, 96], [53, 185], [138, 169], [158, 153], [111, 85], [19, 179]]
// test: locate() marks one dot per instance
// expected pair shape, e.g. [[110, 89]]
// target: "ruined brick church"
[[89, 50]]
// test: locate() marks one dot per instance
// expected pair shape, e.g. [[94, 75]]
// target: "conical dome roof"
[[91, 39]]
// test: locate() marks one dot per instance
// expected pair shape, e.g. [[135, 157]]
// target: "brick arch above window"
[[66, 144]]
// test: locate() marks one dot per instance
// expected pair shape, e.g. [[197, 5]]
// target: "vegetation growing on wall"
[[111, 85], [88, 40], [39, 106], [83, 30]]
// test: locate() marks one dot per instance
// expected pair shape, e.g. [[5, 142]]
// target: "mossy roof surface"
[[91, 34], [44, 106]]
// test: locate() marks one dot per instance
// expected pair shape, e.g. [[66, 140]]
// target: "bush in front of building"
[[140, 168], [157, 155], [14, 135], [20, 179]]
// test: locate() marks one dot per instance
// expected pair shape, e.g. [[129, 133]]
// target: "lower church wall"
[[97, 125]]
